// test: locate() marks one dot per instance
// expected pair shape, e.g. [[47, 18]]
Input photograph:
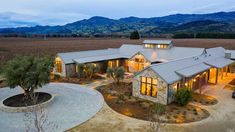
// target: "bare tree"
[[36, 119], [157, 123]]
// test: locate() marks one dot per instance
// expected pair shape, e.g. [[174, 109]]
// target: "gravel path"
[[73, 105]]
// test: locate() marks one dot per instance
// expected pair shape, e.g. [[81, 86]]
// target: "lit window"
[[110, 64], [148, 86], [76, 69], [58, 64], [117, 63]]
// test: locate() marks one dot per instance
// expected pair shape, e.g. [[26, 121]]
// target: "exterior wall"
[[172, 91], [161, 88], [70, 70], [102, 65], [132, 63]]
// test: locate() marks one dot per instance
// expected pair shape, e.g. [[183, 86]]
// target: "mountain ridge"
[[223, 22]]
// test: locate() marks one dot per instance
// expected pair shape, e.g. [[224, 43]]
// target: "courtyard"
[[222, 115], [95, 115]]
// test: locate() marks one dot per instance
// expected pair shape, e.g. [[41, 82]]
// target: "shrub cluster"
[[183, 96]]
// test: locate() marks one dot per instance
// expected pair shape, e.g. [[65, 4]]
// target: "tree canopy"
[[28, 72], [116, 73], [135, 35], [183, 96]]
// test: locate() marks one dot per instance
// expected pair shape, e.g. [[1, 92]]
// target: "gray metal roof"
[[164, 55], [97, 58], [71, 56], [219, 62], [171, 71], [157, 42], [193, 70], [127, 51]]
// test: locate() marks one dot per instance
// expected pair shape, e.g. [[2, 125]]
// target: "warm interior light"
[[194, 80], [186, 84]]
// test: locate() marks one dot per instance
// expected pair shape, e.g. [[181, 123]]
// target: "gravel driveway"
[[73, 105]]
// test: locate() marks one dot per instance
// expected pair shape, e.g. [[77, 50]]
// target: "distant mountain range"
[[221, 22]]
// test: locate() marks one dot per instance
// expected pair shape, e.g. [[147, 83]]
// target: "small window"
[[149, 80], [143, 79], [155, 81]]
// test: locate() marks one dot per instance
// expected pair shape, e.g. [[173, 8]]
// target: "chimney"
[[228, 55]]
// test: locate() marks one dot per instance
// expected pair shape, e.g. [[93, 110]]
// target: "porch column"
[[222, 71], [216, 76], [208, 75], [226, 71], [183, 84]]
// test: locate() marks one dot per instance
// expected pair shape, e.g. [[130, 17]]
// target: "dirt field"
[[10, 47]]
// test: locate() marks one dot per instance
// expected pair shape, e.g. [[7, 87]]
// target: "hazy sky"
[[53, 12]]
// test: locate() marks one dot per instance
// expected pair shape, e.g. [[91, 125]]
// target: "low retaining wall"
[[27, 108]]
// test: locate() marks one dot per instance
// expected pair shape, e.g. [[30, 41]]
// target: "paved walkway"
[[73, 105], [222, 118], [98, 83]]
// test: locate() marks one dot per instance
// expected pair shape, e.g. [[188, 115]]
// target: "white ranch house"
[[159, 67]]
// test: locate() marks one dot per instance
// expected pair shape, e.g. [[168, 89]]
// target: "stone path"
[[73, 105], [98, 83]]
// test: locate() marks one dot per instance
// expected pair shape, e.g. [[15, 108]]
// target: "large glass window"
[[148, 86]]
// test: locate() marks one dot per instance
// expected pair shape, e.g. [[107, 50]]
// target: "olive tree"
[[91, 69], [116, 74], [28, 72], [80, 70]]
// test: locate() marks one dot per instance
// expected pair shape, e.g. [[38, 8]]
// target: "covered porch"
[[211, 72], [220, 67]]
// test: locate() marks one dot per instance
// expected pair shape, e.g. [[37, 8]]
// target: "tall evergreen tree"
[[135, 35]]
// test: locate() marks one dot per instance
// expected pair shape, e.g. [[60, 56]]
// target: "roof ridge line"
[[175, 60]]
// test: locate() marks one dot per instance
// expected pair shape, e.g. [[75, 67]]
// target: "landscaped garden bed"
[[20, 101], [204, 99], [119, 98]]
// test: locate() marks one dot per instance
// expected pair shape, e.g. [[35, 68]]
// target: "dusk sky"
[[58, 12]]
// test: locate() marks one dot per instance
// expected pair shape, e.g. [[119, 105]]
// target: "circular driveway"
[[73, 104]]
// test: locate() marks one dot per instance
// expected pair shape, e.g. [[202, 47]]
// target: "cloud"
[[59, 12], [10, 19]]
